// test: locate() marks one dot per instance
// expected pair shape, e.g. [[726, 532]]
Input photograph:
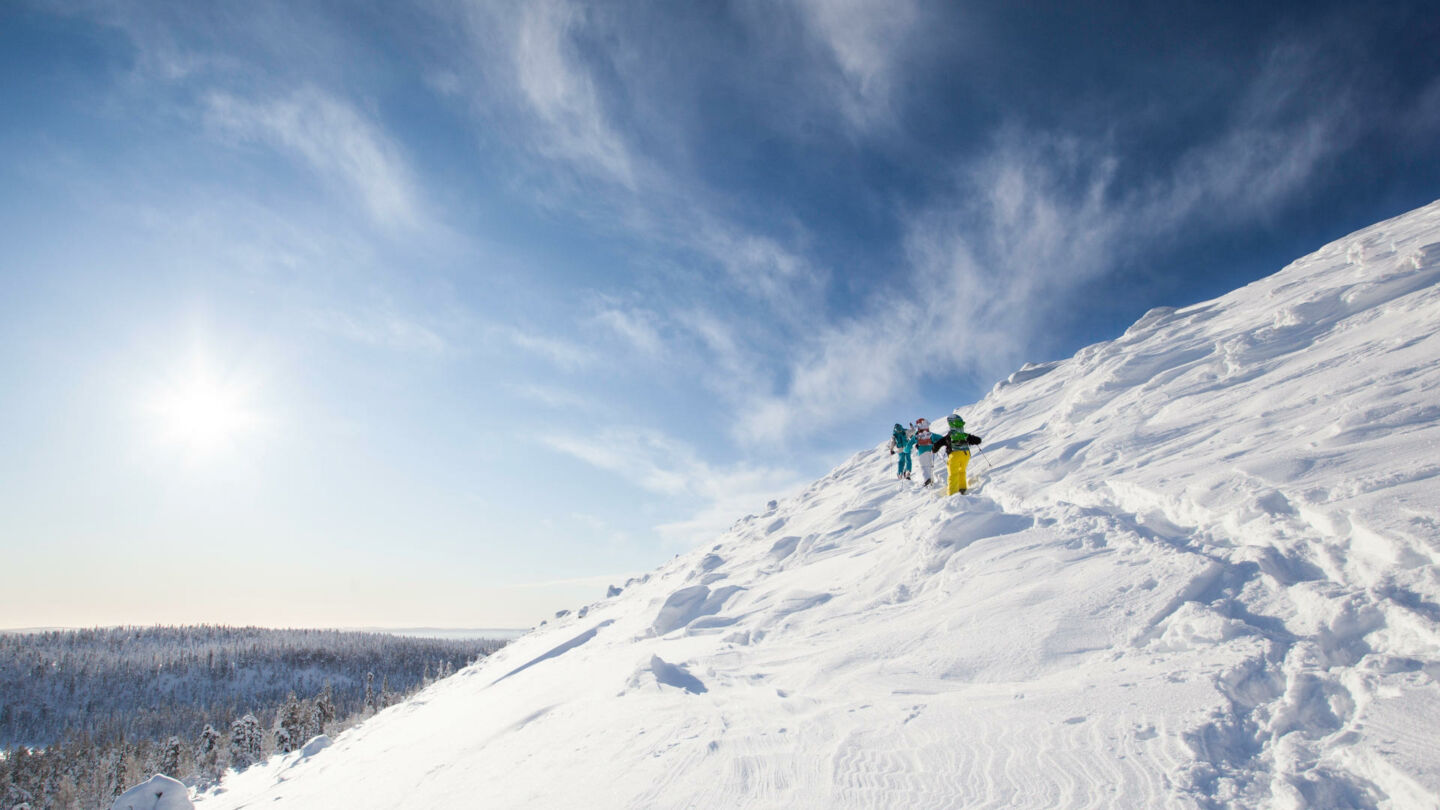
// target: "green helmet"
[[956, 422]]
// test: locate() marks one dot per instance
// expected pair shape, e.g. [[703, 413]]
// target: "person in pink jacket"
[[925, 449]]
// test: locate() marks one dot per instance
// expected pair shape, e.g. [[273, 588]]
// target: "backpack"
[[958, 437]]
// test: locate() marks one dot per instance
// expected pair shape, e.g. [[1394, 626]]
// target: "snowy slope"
[[1199, 570]]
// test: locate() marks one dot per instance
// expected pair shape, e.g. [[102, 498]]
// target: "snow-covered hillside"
[[1199, 570]]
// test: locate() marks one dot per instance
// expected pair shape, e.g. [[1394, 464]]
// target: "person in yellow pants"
[[958, 442], [956, 464]]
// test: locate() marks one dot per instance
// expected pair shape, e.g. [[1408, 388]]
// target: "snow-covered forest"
[[86, 713]]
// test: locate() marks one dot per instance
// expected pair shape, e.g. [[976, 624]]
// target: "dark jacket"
[[954, 437]]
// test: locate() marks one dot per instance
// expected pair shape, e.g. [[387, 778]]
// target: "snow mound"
[[1199, 566], [690, 607], [316, 745], [159, 792]]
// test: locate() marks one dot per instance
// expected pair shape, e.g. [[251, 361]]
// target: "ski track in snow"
[[1200, 569]]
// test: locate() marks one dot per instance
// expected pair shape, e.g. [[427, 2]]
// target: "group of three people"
[[918, 437]]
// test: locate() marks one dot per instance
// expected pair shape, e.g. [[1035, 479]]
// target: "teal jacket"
[[901, 441]]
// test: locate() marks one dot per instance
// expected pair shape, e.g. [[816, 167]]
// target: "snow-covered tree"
[[17, 797], [323, 712], [290, 725], [170, 758], [65, 795], [207, 755], [123, 771], [247, 746]]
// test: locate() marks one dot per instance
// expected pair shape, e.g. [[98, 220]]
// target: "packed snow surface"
[[1197, 568]]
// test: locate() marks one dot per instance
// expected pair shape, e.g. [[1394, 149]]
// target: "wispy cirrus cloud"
[[558, 351], [527, 54], [381, 327], [1277, 138], [275, 75], [866, 40], [1032, 220], [760, 266], [715, 495], [347, 150], [549, 396], [567, 82], [636, 326]]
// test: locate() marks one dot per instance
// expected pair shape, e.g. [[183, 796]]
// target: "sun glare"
[[204, 415]]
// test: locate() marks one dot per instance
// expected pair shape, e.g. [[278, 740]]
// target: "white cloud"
[[866, 38], [532, 79], [380, 327], [1421, 123], [674, 469], [758, 265], [1032, 221], [990, 266], [645, 458], [337, 143], [558, 351], [635, 326], [548, 396], [539, 67], [736, 367], [445, 82], [1274, 144]]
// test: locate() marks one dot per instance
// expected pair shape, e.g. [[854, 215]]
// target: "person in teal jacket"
[[901, 441]]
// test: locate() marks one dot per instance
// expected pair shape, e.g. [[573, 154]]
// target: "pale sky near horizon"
[[452, 313]]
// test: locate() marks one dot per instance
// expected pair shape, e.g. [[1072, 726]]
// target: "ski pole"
[[988, 468]]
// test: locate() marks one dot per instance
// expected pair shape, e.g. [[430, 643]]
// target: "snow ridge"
[[1199, 567]]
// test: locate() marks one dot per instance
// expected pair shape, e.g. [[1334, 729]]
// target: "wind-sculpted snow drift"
[[1199, 569]]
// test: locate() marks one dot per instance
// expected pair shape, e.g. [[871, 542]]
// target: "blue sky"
[[449, 313]]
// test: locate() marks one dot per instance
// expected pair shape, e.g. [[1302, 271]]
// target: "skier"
[[957, 442], [900, 442], [925, 447]]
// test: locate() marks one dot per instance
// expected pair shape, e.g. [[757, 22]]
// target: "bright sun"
[[203, 414]]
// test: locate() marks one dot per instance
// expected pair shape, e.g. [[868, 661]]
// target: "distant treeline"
[[86, 713]]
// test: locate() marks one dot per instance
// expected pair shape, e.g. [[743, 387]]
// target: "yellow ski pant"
[[959, 460]]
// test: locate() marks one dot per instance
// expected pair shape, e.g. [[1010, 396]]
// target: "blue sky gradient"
[[495, 302]]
